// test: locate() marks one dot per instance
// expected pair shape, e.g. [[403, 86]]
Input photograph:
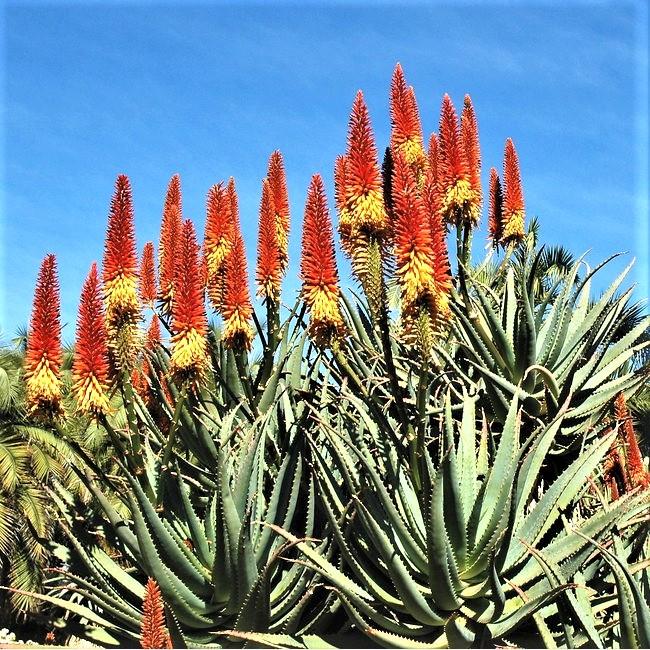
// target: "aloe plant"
[[455, 562]]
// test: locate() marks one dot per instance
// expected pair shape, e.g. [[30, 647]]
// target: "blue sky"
[[209, 90]]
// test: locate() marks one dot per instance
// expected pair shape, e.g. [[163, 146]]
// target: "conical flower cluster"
[[364, 213], [318, 271], [43, 355], [433, 203], [495, 224], [269, 264], [513, 213], [218, 241], [189, 358], [120, 268], [170, 234], [406, 131], [277, 180], [153, 632], [148, 291], [237, 310], [636, 475], [413, 245], [460, 201], [471, 147], [91, 364]]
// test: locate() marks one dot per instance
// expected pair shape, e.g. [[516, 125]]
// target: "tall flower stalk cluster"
[[391, 222], [432, 463]]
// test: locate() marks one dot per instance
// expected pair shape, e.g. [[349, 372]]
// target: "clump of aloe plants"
[[435, 460]]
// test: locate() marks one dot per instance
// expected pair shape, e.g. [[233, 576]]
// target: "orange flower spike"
[[148, 275], [413, 244], [43, 355], [170, 232], [237, 309], [431, 193], [153, 632], [90, 369], [406, 132], [120, 268], [269, 270], [153, 333], [278, 183], [459, 201], [189, 357], [636, 475], [513, 197], [364, 196], [218, 241], [318, 270], [469, 136], [496, 209], [234, 201]]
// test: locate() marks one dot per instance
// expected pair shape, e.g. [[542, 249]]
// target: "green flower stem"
[[169, 447], [241, 361], [128, 399]]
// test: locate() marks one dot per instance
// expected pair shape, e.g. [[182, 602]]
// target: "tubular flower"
[[318, 268], [170, 232], [269, 269], [406, 132], [278, 183], [513, 197], [90, 367], [43, 356], [218, 242], [636, 475], [147, 275], [459, 200], [153, 632], [365, 213], [495, 222], [189, 357], [120, 268], [469, 136], [237, 309]]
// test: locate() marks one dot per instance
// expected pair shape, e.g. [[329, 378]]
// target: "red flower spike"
[[120, 267], [469, 136], [459, 200], [234, 202], [148, 275], [218, 241], [189, 357], [364, 196], [278, 183], [318, 267], [269, 269], [174, 195], [513, 197], [413, 245], [153, 333], [495, 219], [90, 368], [170, 232], [153, 632], [635, 472], [406, 132], [431, 193], [237, 309], [43, 355]]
